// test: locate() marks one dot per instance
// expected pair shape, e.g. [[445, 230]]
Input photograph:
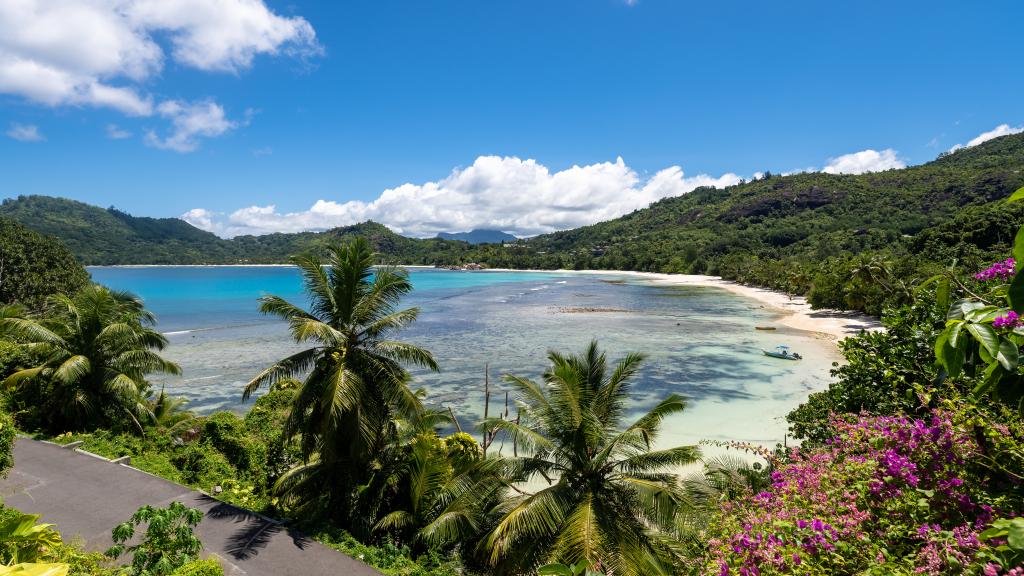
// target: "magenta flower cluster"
[[1010, 320], [999, 271], [859, 502]]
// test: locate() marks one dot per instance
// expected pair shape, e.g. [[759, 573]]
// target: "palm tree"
[[96, 348], [610, 499], [871, 271], [442, 495], [354, 383], [169, 412]]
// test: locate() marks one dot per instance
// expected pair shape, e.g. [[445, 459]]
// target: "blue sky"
[[339, 101]]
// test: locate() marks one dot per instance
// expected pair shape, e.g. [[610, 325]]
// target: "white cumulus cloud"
[[25, 133], [522, 197], [1001, 130], [190, 121], [104, 53], [864, 161]]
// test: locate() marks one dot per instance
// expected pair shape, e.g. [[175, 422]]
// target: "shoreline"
[[794, 311]]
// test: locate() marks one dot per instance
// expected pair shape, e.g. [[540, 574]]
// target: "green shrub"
[[882, 375], [202, 467], [208, 567], [36, 266], [13, 357], [227, 433], [388, 558], [168, 543], [7, 435]]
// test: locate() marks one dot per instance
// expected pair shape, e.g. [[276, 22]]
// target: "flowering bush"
[[999, 271], [887, 495]]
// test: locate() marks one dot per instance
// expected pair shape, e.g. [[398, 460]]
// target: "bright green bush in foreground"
[[208, 567]]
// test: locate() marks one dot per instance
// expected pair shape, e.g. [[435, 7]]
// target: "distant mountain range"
[[479, 236], [811, 216]]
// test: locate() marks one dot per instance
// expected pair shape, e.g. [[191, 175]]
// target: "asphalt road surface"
[[87, 496]]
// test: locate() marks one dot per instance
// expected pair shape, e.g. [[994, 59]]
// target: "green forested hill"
[[841, 238], [806, 233], [109, 236], [99, 236], [810, 214]]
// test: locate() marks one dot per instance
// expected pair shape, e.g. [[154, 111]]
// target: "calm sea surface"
[[701, 342]]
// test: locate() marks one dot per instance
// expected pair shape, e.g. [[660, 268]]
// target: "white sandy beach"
[[794, 311]]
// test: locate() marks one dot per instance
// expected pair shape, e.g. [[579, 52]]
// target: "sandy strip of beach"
[[794, 311]]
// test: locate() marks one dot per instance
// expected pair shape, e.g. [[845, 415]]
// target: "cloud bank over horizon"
[[522, 197]]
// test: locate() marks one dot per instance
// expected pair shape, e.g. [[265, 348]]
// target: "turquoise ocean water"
[[700, 341]]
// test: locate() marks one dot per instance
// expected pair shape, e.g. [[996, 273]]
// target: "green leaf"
[[978, 314], [967, 306], [555, 570], [992, 533], [1018, 247], [951, 357], [986, 358], [992, 376], [956, 311], [985, 336], [1008, 355], [954, 332], [1016, 196], [1016, 293], [1015, 534], [929, 282], [943, 293]]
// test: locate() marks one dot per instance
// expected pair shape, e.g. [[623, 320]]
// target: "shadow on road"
[[254, 531]]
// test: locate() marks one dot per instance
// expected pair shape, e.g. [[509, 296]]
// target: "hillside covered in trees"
[[844, 239], [100, 236]]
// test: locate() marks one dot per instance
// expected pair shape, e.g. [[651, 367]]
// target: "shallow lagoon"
[[700, 341]]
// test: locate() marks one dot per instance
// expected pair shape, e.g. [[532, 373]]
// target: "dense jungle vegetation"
[[912, 460]]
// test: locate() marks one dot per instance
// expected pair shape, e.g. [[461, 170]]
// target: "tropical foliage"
[[354, 383], [94, 351], [28, 548], [33, 266], [24, 540], [611, 499], [167, 544], [911, 461]]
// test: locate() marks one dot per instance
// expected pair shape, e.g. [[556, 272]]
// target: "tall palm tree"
[[354, 382], [96, 348], [608, 497]]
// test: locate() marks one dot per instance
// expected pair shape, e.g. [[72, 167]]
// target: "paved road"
[[87, 496]]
